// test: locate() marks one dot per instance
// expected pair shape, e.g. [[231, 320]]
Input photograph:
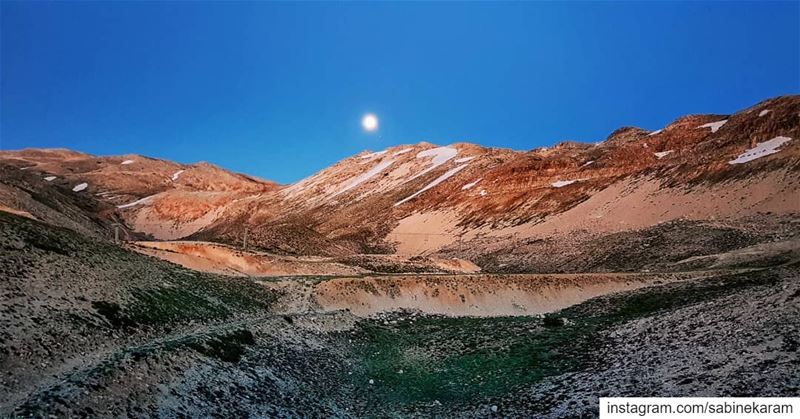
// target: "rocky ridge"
[[461, 200]]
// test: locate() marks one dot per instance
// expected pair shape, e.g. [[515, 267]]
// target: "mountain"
[[701, 185], [148, 196], [658, 247]]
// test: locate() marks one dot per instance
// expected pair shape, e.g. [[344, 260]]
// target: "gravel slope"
[[91, 329]]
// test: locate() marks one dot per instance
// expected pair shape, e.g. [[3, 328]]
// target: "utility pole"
[[116, 233], [244, 244]]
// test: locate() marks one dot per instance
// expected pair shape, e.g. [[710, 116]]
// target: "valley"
[[415, 281], [139, 336]]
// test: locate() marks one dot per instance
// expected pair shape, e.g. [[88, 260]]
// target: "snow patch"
[[483, 192], [587, 163], [375, 154], [176, 175], [662, 154], [137, 202], [471, 184], [760, 150], [656, 132], [435, 182], [403, 151], [50, 178], [562, 183], [464, 159], [440, 156], [715, 126], [127, 162], [80, 187], [365, 176], [764, 112]]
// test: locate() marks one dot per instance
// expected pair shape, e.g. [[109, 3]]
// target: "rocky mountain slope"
[[707, 212], [148, 196], [732, 180], [92, 329]]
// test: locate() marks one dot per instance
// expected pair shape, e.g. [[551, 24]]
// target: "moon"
[[369, 122]]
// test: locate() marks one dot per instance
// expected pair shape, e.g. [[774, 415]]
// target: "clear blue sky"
[[277, 90]]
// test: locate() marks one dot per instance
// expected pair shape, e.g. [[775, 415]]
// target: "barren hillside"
[[732, 180]]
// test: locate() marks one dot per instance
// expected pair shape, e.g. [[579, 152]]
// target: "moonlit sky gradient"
[[278, 90]]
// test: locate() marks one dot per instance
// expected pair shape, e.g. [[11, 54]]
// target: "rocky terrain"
[[416, 281], [735, 176], [89, 328]]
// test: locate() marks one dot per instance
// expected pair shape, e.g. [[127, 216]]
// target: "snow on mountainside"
[[439, 156], [422, 196], [761, 150], [364, 176], [562, 183], [469, 185], [435, 182], [715, 126]]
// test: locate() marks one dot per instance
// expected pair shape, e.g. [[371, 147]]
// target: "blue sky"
[[277, 90]]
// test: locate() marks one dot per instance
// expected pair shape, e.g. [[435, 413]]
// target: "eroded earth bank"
[[91, 328]]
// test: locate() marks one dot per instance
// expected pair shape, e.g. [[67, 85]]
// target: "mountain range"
[[415, 281], [636, 200]]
